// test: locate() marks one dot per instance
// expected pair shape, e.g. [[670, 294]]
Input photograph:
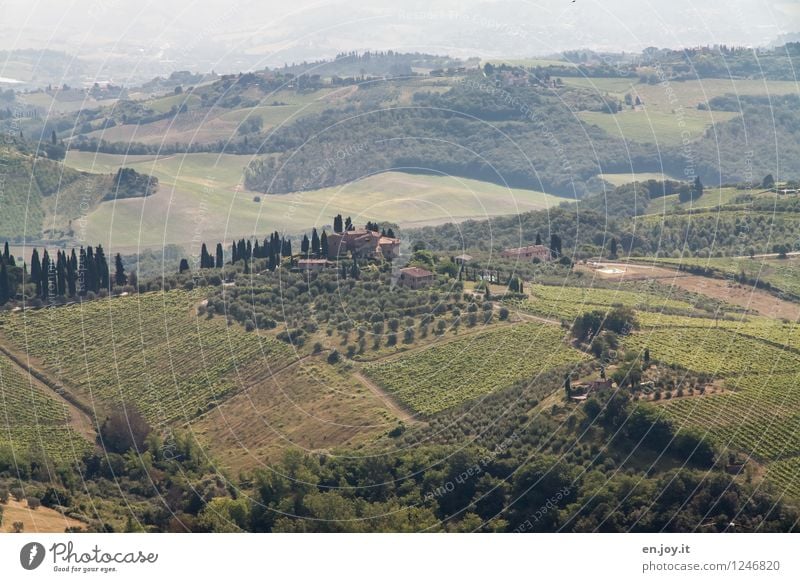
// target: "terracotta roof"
[[416, 272], [527, 249], [385, 240]]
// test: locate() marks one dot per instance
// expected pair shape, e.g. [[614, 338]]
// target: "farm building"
[[530, 252], [365, 244], [312, 264], [593, 385], [415, 278]]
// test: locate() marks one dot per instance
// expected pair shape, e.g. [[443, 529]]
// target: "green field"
[[669, 111], [199, 193], [436, 378], [568, 302], [32, 421], [758, 414], [681, 94], [627, 178], [210, 124], [713, 350], [666, 128], [149, 351]]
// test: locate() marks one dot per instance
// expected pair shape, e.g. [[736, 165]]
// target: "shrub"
[[18, 493], [504, 313], [34, 503], [333, 357], [123, 431]]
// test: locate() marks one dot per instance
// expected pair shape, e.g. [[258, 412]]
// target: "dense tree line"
[[586, 229], [68, 274]]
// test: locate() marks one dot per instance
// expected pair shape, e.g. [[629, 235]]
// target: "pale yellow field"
[[201, 197]]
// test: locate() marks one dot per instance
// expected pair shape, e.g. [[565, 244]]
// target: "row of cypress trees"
[[68, 274]]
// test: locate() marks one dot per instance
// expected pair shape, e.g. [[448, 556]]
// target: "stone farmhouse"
[[363, 244], [415, 277], [312, 264], [528, 253]]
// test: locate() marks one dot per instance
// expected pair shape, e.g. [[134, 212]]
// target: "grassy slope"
[[669, 111], [37, 194], [310, 405], [199, 194], [204, 125]]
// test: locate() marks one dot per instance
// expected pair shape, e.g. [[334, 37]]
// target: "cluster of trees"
[[530, 123], [128, 183], [587, 230], [272, 248], [722, 61], [68, 274], [620, 320]]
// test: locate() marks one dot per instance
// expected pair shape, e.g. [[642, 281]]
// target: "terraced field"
[[774, 331], [761, 418], [759, 413], [569, 302], [32, 421], [149, 351], [714, 350], [437, 378]]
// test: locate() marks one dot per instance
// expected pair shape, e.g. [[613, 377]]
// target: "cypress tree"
[[337, 224], [314, 242], [323, 245], [61, 273], [92, 280], [219, 258], [203, 256], [234, 253], [120, 278], [103, 274], [304, 245], [183, 266], [72, 268], [36, 271], [5, 287], [45, 274], [52, 286], [82, 262]]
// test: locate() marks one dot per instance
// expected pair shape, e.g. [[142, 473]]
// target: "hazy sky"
[[200, 34]]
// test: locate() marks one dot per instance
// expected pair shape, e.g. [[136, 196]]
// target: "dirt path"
[[81, 418], [400, 411], [745, 296], [740, 295]]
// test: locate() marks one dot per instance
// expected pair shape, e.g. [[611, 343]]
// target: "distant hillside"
[[42, 197]]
